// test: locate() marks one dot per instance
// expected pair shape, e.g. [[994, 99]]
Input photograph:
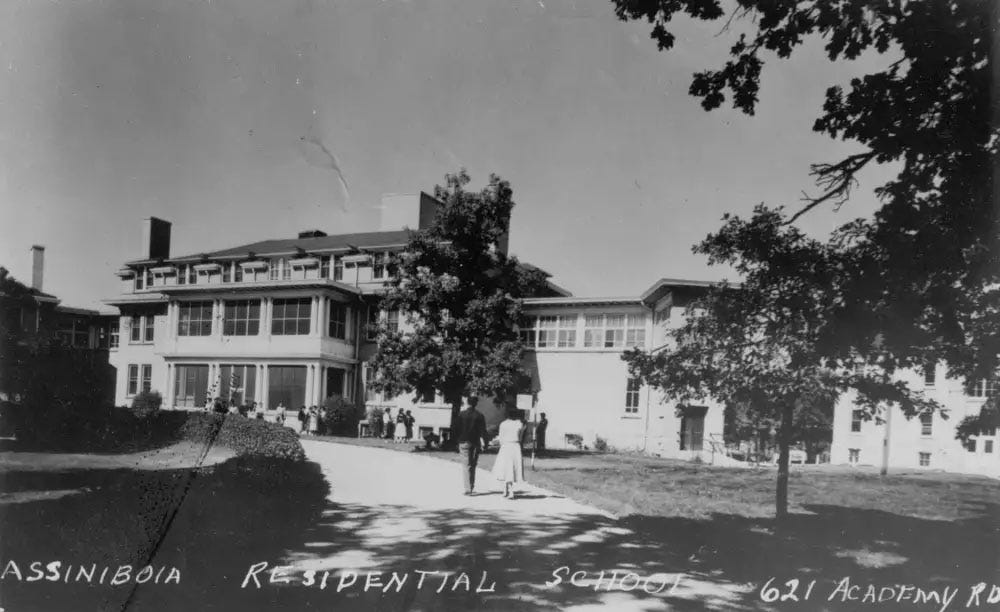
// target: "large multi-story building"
[[284, 322]]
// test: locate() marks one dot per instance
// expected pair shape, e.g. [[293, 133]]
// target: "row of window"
[[599, 331], [330, 267], [923, 458], [926, 422], [289, 317], [237, 383]]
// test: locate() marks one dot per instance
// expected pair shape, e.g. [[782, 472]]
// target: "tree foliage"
[[925, 268], [765, 342], [461, 297]]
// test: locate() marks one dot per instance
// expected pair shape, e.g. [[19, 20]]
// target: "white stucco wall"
[[906, 439]]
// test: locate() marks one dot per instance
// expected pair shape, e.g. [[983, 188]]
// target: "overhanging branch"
[[836, 180]]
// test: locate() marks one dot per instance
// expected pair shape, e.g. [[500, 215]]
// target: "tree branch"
[[836, 180]]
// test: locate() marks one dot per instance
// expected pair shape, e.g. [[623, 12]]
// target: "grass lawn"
[[923, 527]]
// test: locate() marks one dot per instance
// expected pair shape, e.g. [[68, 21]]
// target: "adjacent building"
[[29, 314], [925, 441]]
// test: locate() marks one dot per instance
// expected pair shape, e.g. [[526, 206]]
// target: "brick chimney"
[[155, 238], [37, 266]]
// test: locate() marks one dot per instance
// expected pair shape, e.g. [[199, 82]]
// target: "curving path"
[[404, 513]]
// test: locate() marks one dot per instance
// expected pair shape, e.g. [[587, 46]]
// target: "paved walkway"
[[404, 513]]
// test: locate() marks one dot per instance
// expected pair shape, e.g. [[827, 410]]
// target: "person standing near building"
[[409, 425], [540, 428], [387, 423], [400, 433], [313, 420], [375, 422], [509, 465], [303, 418], [471, 437]]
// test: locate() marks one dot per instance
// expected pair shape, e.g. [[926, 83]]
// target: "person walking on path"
[[509, 466], [471, 438]]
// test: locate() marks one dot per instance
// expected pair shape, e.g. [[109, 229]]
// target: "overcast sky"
[[209, 113]]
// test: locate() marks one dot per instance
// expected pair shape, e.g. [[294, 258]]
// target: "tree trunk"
[[456, 406], [784, 439]]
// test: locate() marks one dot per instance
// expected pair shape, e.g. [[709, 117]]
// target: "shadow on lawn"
[[723, 562], [247, 511]]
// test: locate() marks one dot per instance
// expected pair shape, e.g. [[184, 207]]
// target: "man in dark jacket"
[[540, 429], [471, 437]]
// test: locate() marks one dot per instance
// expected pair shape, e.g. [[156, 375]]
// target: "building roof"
[[83, 312], [662, 286], [579, 301], [290, 246], [12, 288]]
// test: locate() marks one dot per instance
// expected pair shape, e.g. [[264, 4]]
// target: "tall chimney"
[[37, 266], [155, 238]]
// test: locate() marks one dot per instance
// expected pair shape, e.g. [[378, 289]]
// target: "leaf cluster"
[[462, 295]]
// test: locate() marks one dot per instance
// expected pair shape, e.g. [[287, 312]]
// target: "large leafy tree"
[[924, 270], [461, 298], [762, 343]]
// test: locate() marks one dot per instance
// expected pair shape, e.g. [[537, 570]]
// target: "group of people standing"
[[399, 429], [309, 420]]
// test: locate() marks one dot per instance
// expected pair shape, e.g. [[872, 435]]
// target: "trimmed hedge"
[[120, 430], [245, 437]]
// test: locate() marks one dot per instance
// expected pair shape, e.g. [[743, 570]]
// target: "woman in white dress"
[[509, 466]]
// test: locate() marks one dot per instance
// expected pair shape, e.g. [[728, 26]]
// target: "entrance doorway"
[[334, 382], [693, 427]]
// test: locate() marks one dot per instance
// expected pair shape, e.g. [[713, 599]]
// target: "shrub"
[[342, 416], [245, 437], [146, 403], [600, 444], [575, 440]]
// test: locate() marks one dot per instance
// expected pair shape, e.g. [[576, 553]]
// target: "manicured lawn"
[[633, 484], [926, 528]]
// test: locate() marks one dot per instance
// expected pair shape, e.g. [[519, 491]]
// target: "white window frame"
[[114, 335], [380, 265], [132, 382], [338, 326], [930, 375], [189, 322], [236, 319], [632, 389], [146, 377], [301, 301], [392, 318], [857, 419], [926, 424]]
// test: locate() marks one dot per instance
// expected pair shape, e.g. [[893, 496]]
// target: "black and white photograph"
[[526, 305]]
